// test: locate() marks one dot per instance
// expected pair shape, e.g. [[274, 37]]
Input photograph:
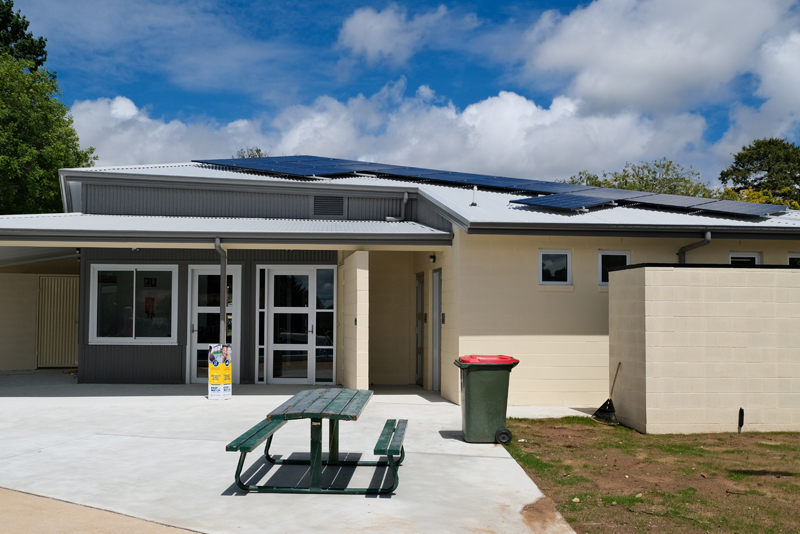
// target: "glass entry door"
[[204, 318], [296, 325]]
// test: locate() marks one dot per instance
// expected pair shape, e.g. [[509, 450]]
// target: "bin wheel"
[[503, 436]]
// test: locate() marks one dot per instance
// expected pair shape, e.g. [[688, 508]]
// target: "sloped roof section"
[[116, 228]]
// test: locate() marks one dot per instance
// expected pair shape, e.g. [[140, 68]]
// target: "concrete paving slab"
[[158, 453]]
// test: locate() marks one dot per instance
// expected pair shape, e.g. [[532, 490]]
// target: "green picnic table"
[[335, 405]]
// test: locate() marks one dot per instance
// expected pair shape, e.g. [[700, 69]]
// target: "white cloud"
[[390, 36], [507, 134], [654, 54], [778, 74], [124, 134]]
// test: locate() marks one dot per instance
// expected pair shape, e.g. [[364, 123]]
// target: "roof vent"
[[328, 206]]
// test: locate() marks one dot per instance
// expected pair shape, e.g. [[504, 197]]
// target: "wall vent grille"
[[328, 206]]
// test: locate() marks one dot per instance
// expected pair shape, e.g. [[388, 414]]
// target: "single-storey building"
[[352, 273]]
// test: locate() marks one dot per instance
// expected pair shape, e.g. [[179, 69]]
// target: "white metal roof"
[[493, 208], [78, 225]]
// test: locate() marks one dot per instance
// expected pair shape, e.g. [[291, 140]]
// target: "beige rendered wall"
[[717, 340], [18, 320], [59, 266], [355, 361], [559, 333], [391, 318]]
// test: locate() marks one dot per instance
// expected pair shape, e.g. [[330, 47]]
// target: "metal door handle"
[[193, 329], [310, 331]]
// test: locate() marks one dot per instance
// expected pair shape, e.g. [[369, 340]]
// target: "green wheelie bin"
[[484, 397]]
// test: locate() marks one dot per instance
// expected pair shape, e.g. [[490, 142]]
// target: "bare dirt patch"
[[628, 482]]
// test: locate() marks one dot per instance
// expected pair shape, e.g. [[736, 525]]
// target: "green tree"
[[767, 165], [36, 139], [658, 176], [16, 40], [251, 152]]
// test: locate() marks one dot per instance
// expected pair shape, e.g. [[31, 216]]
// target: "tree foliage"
[[771, 166], [36, 139], [251, 152], [16, 40], [658, 176]]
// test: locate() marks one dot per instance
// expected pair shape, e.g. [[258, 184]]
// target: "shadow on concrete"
[[263, 473], [56, 383], [586, 410], [457, 435]]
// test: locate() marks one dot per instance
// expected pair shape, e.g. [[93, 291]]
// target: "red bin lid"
[[474, 358]]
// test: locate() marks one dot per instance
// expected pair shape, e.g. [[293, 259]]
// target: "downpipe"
[[682, 252]]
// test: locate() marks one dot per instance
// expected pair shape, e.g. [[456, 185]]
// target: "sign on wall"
[[220, 372]]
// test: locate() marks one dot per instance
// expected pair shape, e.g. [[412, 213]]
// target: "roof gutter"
[[683, 250]]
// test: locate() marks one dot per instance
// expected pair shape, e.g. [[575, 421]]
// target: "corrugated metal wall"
[[427, 214], [58, 321], [132, 200], [373, 209], [158, 364]]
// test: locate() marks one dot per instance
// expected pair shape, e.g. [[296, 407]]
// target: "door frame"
[[269, 270], [236, 337], [436, 338], [419, 333]]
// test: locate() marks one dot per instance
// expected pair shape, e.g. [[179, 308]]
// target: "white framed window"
[[608, 259], [794, 260], [555, 267], [133, 304], [745, 258]]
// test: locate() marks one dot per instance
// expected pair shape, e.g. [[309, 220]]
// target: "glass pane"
[[207, 328], [115, 304], [324, 367], [261, 365], [324, 289], [229, 329], [261, 328], [202, 363], [290, 328], [609, 261], [324, 329], [153, 304], [554, 268], [290, 364], [262, 288], [208, 290], [743, 261], [795, 261], [291, 291]]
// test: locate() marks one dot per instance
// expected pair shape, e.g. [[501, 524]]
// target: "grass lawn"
[[607, 479]]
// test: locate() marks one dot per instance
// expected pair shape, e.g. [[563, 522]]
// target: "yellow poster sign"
[[220, 372]]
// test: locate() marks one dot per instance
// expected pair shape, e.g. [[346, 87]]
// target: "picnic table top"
[[324, 403]]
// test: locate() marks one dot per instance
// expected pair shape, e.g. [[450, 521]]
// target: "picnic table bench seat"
[[317, 407]]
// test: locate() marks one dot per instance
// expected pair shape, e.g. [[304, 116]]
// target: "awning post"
[[223, 291]]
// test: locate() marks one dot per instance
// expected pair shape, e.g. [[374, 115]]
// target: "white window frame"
[[756, 255], [568, 253], [601, 253], [95, 340], [791, 256]]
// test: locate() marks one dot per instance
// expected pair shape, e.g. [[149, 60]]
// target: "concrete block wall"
[[715, 340]]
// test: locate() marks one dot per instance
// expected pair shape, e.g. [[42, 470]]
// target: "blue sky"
[[535, 89]]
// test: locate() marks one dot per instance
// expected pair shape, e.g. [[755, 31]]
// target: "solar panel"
[[732, 207], [565, 201], [447, 177], [614, 194], [412, 172], [671, 201], [499, 182], [552, 187]]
